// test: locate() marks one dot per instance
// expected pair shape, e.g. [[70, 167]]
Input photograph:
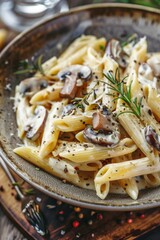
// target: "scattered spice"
[[51, 206], [63, 232], [65, 169], [90, 222], [77, 209], [75, 224], [59, 203], [99, 216], [93, 213], [92, 235], [2, 189], [61, 212], [130, 220], [142, 216], [78, 235], [81, 215]]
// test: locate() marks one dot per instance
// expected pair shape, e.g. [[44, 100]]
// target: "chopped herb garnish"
[[25, 191], [132, 38], [82, 102], [29, 191], [19, 184], [26, 66], [101, 47]]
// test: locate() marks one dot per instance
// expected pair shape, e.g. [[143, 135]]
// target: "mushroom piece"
[[29, 86], [35, 123], [154, 63], [104, 120], [145, 74], [102, 137], [152, 138], [115, 51], [105, 130], [73, 77], [68, 109]]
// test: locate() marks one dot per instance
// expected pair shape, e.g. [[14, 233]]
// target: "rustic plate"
[[102, 20]]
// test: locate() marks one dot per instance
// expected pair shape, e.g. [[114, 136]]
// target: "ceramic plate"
[[106, 20]]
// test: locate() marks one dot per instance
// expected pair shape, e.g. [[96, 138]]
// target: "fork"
[[30, 208]]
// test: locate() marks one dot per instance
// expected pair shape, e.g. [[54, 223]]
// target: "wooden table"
[[67, 222]]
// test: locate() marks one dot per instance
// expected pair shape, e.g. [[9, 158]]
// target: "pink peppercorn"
[[75, 224], [130, 220], [142, 216], [99, 216], [61, 212]]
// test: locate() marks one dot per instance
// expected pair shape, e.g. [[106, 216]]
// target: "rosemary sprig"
[[119, 86], [132, 38], [30, 67]]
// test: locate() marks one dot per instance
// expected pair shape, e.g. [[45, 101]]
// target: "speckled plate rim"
[[134, 206], [78, 9]]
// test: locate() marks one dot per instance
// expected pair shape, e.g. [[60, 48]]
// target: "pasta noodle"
[[91, 117], [78, 152]]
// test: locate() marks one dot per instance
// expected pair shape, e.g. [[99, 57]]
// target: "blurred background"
[[149, 3], [21, 14]]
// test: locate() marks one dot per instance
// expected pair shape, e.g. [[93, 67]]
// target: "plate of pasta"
[[80, 106]]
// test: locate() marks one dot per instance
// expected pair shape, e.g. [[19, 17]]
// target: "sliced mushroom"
[[73, 77], [145, 72], [154, 63], [68, 109], [102, 137], [35, 123], [115, 51], [32, 85], [105, 130], [104, 120], [152, 138], [146, 76]]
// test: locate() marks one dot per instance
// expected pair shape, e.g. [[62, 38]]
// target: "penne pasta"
[[74, 123], [78, 152], [54, 166], [51, 133], [91, 117], [129, 184], [48, 94], [122, 170]]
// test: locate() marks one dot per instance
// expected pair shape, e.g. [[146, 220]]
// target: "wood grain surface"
[[62, 219]]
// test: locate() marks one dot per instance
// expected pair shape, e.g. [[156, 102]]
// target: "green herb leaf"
[[132, 38], [30, 67], [39, 65], [119, 86], [19, 184], [29, 191], [101, 47]]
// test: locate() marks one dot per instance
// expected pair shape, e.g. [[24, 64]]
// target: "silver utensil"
[[30, 208]]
